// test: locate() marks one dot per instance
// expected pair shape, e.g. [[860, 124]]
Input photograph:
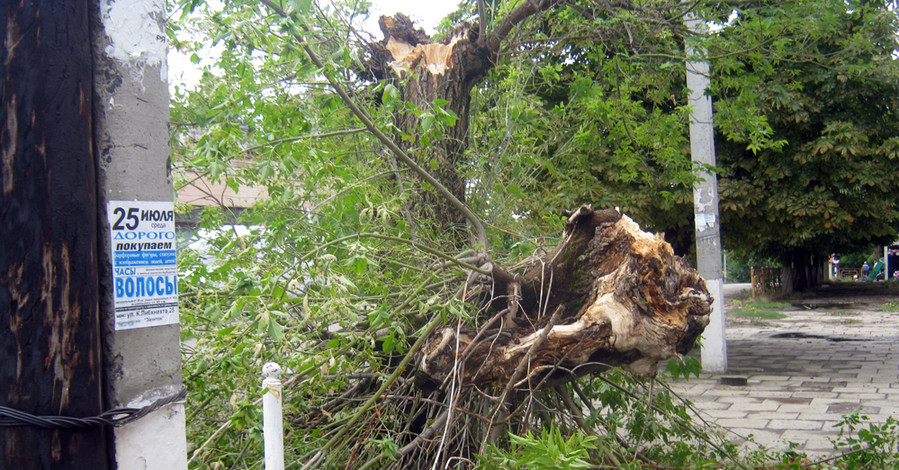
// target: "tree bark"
[[426, 73], [620, 296], [799, 270]]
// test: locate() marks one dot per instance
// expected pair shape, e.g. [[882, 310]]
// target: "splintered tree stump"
[[609, 295]]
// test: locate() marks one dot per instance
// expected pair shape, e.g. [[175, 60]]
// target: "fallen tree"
[[609, 295]]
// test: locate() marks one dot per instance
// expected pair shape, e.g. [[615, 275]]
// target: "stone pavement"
[[831, 355]]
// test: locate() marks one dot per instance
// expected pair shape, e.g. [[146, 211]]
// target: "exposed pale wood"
[[626, 301]]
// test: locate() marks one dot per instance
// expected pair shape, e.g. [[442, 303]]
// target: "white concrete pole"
[[142, 344], [705, 203], [272, 422]]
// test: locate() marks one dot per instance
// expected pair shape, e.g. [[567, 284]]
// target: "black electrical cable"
[[115, 417]]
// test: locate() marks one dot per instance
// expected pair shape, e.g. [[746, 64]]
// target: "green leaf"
[[391, 94], [303, 6], [427, 122], [275, 330]]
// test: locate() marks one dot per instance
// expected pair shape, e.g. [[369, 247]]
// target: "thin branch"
[[352, 186], [681, 420], [365, 407], [417, 245], [469, 348], [431, 401], [520, 13], [301, 137], [482, 23], [272, 143], [405, 450], [428, 432]]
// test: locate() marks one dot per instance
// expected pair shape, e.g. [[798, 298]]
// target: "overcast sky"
[[426, 13]]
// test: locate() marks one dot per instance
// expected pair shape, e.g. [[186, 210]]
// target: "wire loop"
[[10, 418]]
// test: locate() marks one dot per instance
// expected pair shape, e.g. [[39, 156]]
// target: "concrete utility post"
[[705, 203], [138, 280]]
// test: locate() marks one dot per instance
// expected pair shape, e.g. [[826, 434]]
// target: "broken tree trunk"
[[436, 78], [429, 74], [609, 295]]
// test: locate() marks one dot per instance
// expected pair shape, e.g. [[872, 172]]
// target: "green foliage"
[[292, 279], [636, 419], [825, 85], [805, 119], [587, 120], [550, 450], [857, 258], [739, 267], [683, 367], [871, 446], [326, 274]]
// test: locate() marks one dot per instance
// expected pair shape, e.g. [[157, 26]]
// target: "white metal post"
[[272, 424]]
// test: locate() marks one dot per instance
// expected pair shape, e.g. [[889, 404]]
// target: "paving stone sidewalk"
[[827, 358]]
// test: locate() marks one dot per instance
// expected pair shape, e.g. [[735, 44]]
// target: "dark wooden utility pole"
[[50, 358]]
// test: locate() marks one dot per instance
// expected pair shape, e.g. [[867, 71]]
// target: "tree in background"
[[826, 81], [805, 100]]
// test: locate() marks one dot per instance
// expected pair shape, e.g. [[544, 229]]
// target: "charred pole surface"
[[50, 360]]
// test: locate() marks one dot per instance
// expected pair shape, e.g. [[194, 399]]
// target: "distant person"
[[866, 269], [834, 265]]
